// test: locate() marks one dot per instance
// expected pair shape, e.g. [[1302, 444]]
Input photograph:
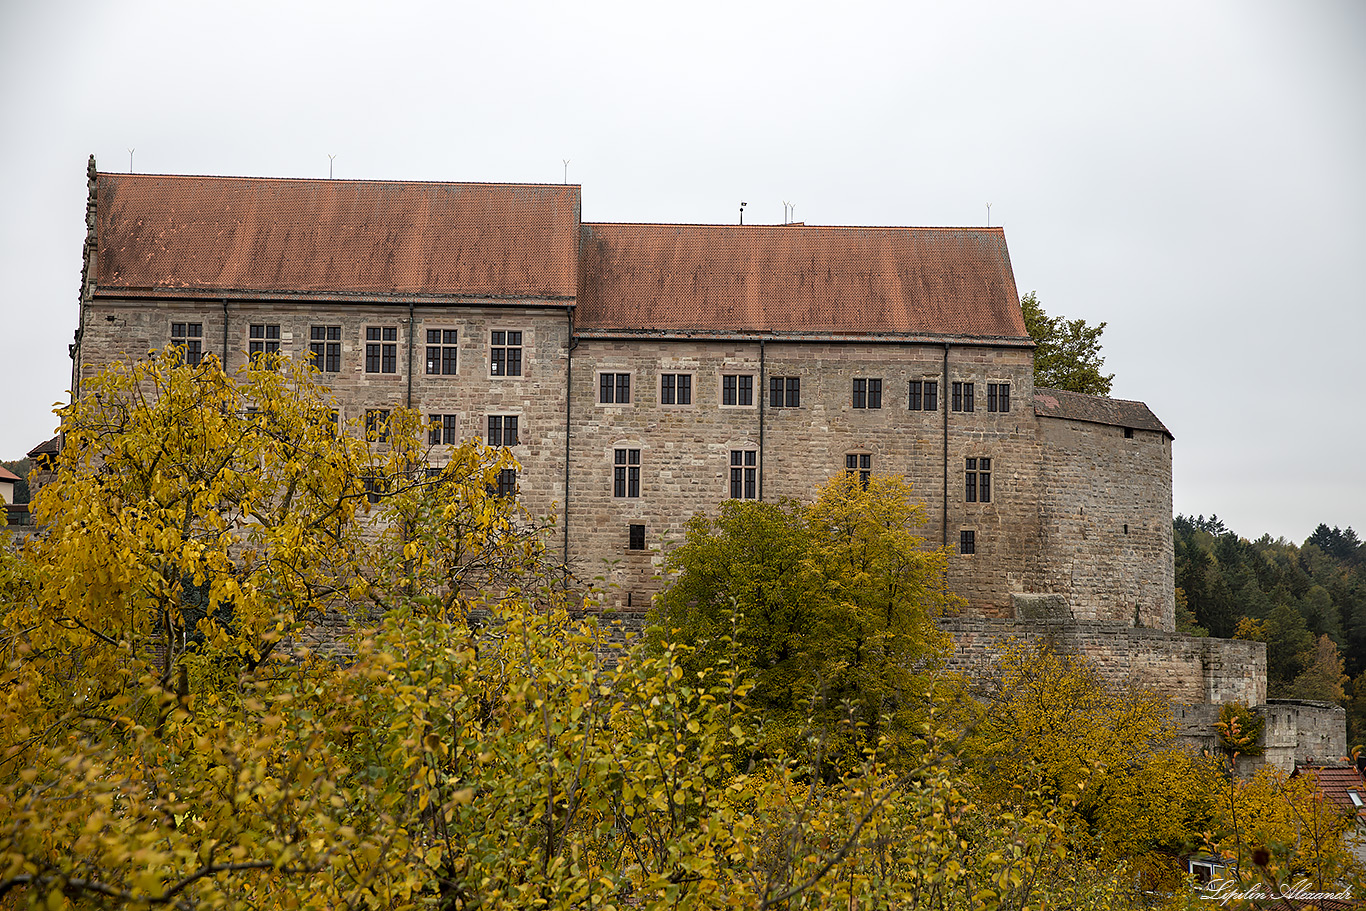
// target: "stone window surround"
[[742, 472], [616, 373], [967, 542], [721, 376], [506, 348], [626, 459], [440, 347], [386, 344]]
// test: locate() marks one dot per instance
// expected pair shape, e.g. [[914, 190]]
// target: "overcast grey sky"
[[1192, 173]]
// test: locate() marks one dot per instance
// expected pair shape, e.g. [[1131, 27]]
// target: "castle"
[[643, 372]]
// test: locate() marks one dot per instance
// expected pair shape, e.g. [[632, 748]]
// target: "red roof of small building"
[[1337, 782], [241, 236], [7, 475], [1095, 409], [651, 278]]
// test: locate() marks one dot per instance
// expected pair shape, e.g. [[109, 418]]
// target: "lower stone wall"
[[1188, 670]]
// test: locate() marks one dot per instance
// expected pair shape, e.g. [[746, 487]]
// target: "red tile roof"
[[1337, 782], [225, 236], [798, 279], [1095, 409], [7, 475]]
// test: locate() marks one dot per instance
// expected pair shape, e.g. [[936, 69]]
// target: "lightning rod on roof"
[[566, 168], [988, 215], [742, 212], [130, 161], [330, 156]]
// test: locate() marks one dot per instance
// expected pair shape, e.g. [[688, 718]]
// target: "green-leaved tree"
[[1068, 353]]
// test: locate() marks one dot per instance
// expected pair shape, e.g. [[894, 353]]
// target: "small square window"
[[924, 395], [443, 429], [967, 541], [998, 396], [263, 339], [637, 537], [784, 391], [189, 337], [507, 483]]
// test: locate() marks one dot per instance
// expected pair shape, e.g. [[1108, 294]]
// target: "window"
[[924, 395], [967, 541], [614, 388], [263, 339], [1128, 433], [324, 344], [375, 488], [867, 393], [381, 349], [377, 425], [637, 541], [441, 349], [505, 353], [626, 473], [784, 391], [675, 389], [737, 389], [998, 397], [443, 429], [744, 474], [502, 430], [190, 338], [962, 397], [860, 463], [507, 483], [977, 486]]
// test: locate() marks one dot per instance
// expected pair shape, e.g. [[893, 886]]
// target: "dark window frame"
[[860, 463], [785, 392], [675, 389], [737, 390], [443, 352], [998, 397], [443, 430], [977, 480], [505, 353], [381, 349], [263, 339], [503, 430], [744, 474], [967, 541], [614, 388], [377, 425], [626, 473], [635, 537], [963, 397], [324, 348], [189, 338], [923, 395]]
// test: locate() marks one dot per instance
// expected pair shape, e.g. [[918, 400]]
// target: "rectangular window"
[[675, 389], [190, 338], [263, 339], [744, 474], [962, 396], [614, 388], [502, 430], [324, 344], [737, 389], [441, 352], [967, 541], [442, 429], [784, 391], [626, 473], [377, 425], [998, 396], [637, 537], [867, 393], [860, 463], [375, 488], [505, 353], [381, 349], [977, 481], [507, 483], [924, 395]]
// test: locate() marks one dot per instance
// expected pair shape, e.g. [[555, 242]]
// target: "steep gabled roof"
[[1095, 409], [949, 282], [239, 236]]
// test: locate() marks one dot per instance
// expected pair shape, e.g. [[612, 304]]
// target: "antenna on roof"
[[330, 156], [742, 212], [130, 161], [566, 168], [785, 205], [988, 215]]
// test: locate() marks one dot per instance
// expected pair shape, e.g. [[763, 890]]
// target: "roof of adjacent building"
[[225, 236], [650, 278], [1095, 409], [47, 447], [1338, 781], [7, 475]]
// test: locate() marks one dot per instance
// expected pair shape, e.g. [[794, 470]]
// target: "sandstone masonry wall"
[[1105, 506]]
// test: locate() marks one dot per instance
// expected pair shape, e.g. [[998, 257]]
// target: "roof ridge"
[[793, 227], [349, 180]]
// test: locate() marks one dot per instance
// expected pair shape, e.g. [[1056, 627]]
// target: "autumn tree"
[[828, 606], [1068, 353]]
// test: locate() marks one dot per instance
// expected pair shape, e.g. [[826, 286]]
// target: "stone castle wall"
[[1105, 505]]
